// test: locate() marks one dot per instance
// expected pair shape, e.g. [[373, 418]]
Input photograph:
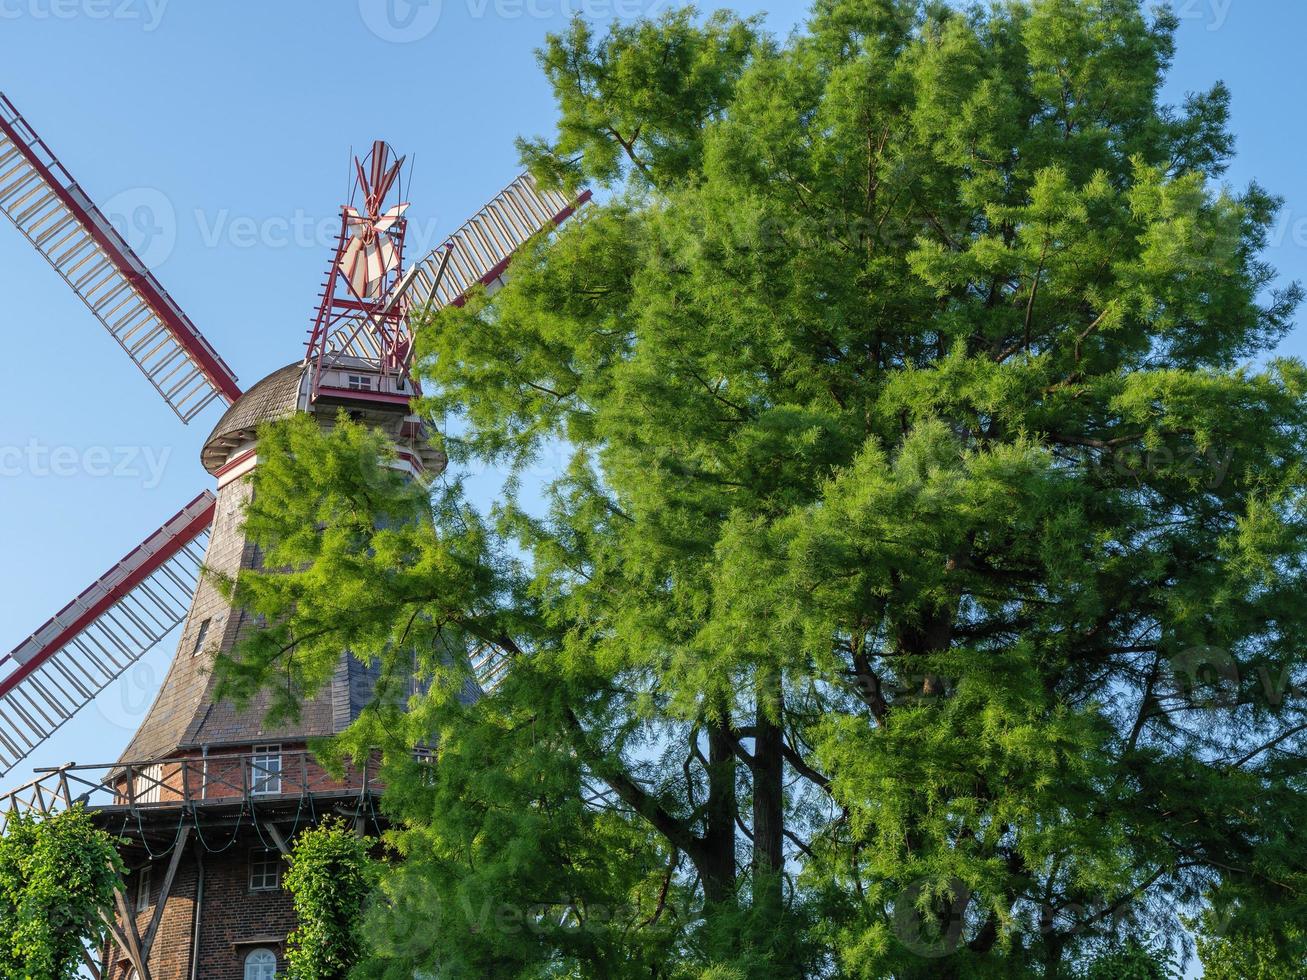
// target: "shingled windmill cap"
[[275, 397]]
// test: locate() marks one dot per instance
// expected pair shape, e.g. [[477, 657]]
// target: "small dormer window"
[[359, 382], [200, 637]]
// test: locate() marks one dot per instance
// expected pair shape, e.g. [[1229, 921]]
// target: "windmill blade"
[[479, 252], [44, 202], [89, 643], [490, 663]]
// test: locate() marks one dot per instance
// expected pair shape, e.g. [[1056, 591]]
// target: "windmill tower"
[[206, 796]]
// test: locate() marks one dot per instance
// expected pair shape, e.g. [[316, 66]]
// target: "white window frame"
[[257, 969], [143, 888], [262, 860], [425, 757], [149, 783], [265, 770], [201, 635], [358, 382]]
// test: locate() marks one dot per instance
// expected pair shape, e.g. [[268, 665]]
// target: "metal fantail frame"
[[362, 319]]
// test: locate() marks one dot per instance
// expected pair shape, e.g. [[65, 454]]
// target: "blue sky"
[[230, 123], [219, 133]]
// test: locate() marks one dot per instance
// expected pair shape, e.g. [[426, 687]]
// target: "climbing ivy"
[[58, 876], [331, 874]]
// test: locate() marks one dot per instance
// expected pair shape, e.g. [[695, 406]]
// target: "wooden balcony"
[[223, 787]]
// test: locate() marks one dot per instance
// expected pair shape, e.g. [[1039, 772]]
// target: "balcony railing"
[[214, 779]]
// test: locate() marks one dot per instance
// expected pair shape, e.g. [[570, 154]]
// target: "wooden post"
[[277, 839], [130, 936], [92, 967], [179, 847]]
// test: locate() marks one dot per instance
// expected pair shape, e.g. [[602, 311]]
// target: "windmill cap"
[[275, 397]]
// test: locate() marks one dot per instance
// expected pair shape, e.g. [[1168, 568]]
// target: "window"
[[261, 964], [359, 382], [265, 871], [149, 783], [200, 637], [426, 758], [143, 888], [265, 769]]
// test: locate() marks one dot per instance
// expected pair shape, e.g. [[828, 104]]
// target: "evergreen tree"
[[922, 595]]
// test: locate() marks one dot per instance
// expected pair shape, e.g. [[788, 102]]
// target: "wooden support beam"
[[92, 967], [117, 936], [115, 933], [131, 937], [277, 839], [179, 848]]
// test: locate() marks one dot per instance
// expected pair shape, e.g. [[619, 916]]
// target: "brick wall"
[[239, 920], [234, 919]]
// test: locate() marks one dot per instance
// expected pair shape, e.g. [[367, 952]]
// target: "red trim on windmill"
[[138, 565], [130, 271], [358, 325]]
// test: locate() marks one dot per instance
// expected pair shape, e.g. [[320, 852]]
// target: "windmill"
[[193, 755]]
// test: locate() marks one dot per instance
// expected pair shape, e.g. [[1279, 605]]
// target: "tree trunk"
[[768, 800], [718, 864]]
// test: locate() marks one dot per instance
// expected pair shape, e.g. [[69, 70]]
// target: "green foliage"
[[921, 595], [1276, 950], [358, 493], [1130, 961], [638, 100], [58, 876], [331, 875]]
